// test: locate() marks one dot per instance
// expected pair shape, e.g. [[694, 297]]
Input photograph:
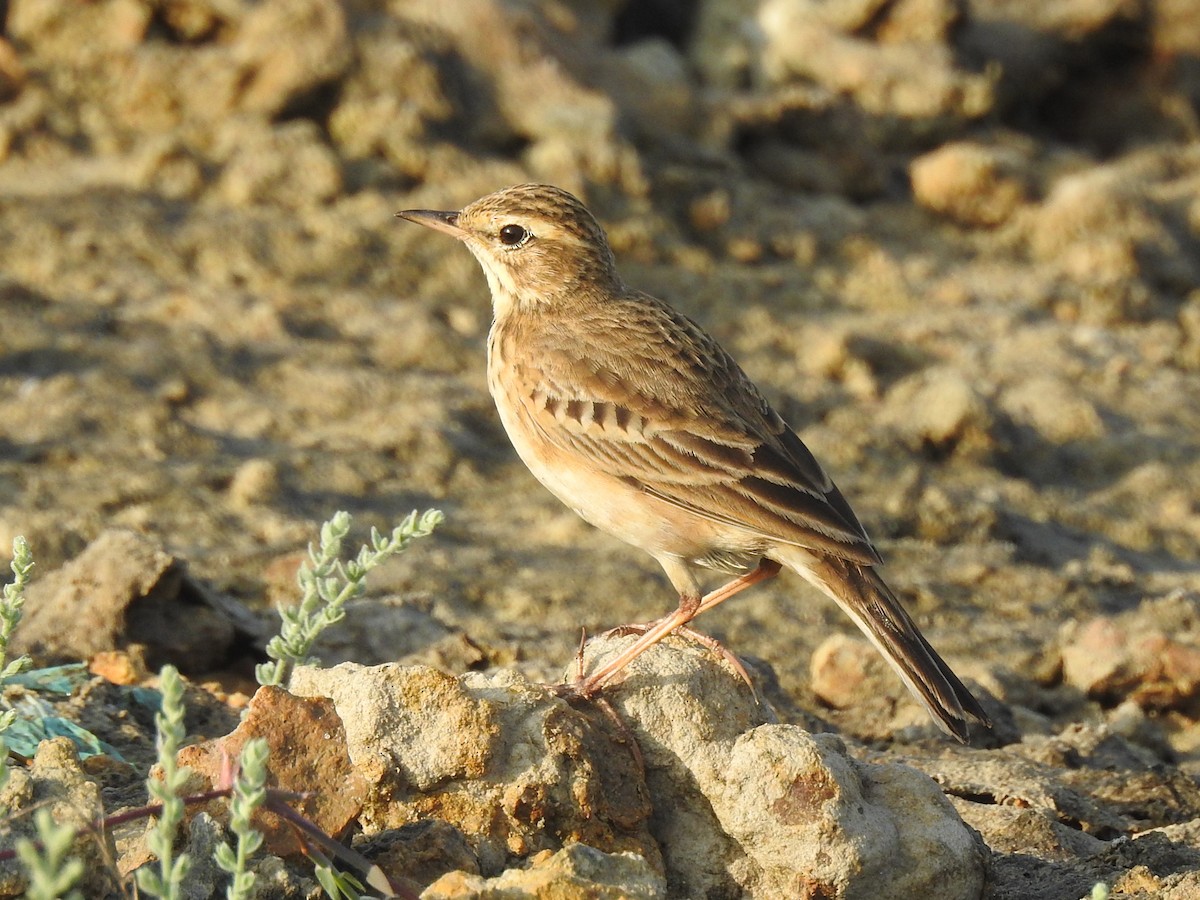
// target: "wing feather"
[[698, 435]]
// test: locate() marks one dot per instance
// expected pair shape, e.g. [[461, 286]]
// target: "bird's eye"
[[513, 235]]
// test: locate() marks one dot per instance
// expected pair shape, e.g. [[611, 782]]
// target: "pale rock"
[[768, 810], [515, 769], [576, 872], [972, 184], [55, 781], [940, 407], [122, 590]]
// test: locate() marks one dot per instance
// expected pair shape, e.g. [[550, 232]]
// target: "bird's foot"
[[580, 690], [587, 688], [698, 637]]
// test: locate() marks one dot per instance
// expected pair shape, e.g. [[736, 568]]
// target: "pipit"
[[639, 421]]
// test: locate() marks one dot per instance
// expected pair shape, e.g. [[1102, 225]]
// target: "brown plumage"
[[638, 420]]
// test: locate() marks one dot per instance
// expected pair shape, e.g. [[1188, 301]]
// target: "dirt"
[[957, 245]]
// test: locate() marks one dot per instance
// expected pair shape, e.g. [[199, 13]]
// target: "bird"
[[638, 420]]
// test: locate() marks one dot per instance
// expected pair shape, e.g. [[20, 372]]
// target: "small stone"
[[421, 853], [840, 668], [1094, 655], [913, 79], [124, 590], [744, 250], [1136, 655], [970, 183], [1055, 408], [12, 73], [307, 745], [54, 780], [576, 872], [939, 407], [255, 483], [287, 49], [120, 666], [710, 211], [651, 82], [289, 165]]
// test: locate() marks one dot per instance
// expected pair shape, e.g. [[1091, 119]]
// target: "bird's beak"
[[435, 219]]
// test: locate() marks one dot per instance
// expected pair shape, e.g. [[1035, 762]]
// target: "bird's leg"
[[689, 606], [699, 637], [767, 568]]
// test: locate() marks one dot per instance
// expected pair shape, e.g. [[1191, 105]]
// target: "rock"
[[1092, 215], [421, 853], [939, 407], [766, 810], [733, 803], [55, 781], [1001, 781], [576, 872], [972, 184], [514, 769], [1074, 795], [917, 21], [289, 165], [123, 667], [651, 83], [787, 792], [255, 482], [125, 590], [204, 835], [307, 746], [914, 79], [725, 42], [1178, 860], [571, 126], [1056, 409], [62, 30], [1137, 655], [1040, 49], [1187, 355], [12, 73], [394, 628], [841, 666], [272, 58], [1109, 237], [285, 50], [849, 675]]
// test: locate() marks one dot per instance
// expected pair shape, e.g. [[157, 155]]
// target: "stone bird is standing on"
[[639, 421]]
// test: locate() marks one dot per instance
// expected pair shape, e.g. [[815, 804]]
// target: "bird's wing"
[[672, 413]]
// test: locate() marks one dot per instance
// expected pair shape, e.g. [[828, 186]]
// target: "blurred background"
[[957, 242]]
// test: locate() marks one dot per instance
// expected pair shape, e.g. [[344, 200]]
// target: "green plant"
[[52, 872], [326, 584], [12, 603], [337, 885], [249, 792], [167, 880]]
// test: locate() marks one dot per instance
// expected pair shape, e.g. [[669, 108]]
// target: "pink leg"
[[689, 608], [768, 568]]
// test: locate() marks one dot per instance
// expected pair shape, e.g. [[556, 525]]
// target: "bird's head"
[[537, 244]]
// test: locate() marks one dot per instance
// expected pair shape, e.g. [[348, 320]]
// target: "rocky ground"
[[956, 243]]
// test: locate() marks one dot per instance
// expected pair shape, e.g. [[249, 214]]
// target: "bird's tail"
[[865, 597]]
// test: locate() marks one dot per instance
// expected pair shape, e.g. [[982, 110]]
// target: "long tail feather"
[[864, 596]]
